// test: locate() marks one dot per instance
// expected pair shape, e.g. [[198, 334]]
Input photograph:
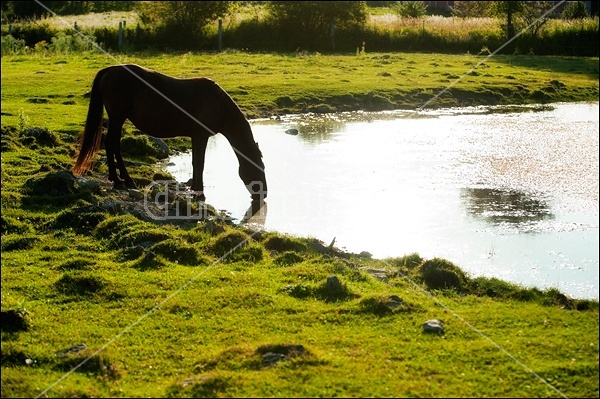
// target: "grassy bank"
[[178, 310]]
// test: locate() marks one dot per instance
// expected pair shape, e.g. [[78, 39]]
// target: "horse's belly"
[[164, 126]]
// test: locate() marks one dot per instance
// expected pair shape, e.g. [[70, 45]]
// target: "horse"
[[164, 107]]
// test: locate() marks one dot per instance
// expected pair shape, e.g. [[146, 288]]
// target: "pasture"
[[178, 310]]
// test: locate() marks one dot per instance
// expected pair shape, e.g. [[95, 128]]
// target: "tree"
[[182, 17], [532, 12], [575, 10], [312, 20], [471, 9], [411, 9], [507, 9]]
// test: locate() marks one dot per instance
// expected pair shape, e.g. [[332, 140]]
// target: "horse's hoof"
[[119, 185], [200, 197]]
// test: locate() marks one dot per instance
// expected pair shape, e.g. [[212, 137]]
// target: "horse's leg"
[[129, 183], [199, 142], [113, 137]]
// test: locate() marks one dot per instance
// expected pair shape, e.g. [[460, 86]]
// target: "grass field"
[[46, 87], [178, 310]]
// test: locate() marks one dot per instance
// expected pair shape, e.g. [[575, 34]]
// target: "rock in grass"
[[135, 194], [271, 358], [71, 350], [293, 132], [433, 326]]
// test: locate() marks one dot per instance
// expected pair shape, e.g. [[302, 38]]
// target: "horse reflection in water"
[[256, 216], [166, 107]]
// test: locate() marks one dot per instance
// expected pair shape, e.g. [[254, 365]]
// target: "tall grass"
[[251, 30]]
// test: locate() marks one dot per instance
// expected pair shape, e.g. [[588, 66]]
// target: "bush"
[[12, 46], [440, 273], [575, 10], [288, 258], [227, 241], [411, 9], [281, 243], [307, 23], [65, 43], [178, 252]]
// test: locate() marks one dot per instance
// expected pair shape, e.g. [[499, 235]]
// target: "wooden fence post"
[[332, 33], [220, 34], [120, 36]]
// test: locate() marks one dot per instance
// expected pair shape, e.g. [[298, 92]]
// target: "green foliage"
[[137, 146], [309, 22], [180, 23], [288, 258], [79, 283], [411, 9], [14, 10], [442, 274], [39, 136], [471, 9], [65, 43], [228, 241], [508, 10], [531, 16], [179, 252], [293, 33], [575, 10], [283, 243], [13, 46]]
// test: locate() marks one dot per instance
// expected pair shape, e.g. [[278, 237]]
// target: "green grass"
[[161, 314], [267, 84]]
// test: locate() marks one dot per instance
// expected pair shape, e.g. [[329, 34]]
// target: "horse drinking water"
[[163, 106]]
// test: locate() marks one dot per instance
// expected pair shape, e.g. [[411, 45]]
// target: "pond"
[[507, 192]]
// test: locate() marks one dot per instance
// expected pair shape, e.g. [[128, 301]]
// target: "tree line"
[[285, 25]]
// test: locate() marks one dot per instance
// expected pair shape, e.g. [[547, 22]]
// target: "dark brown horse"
[[164, 107]]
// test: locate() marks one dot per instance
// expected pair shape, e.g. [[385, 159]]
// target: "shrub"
[[178, 251], [440, 273], [12, 46], [227, 241], [281, 243], [287, 258], [411, 9], [575, 10], [65, 43]]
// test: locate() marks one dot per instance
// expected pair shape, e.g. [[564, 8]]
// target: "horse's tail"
[[92, 134]]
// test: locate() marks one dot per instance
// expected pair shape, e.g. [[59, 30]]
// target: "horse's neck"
[[239, 134]]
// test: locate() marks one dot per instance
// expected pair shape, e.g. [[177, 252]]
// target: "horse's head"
[[252, 173]]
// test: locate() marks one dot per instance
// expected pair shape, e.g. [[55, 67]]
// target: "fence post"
[[332, 33], [220, 34], [120, 35]]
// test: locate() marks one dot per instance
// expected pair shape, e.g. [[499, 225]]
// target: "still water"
[[500, 192]]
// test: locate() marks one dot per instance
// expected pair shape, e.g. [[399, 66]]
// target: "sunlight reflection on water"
[[507, 194]]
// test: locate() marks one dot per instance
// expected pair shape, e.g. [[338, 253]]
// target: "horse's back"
[[158, 104]]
